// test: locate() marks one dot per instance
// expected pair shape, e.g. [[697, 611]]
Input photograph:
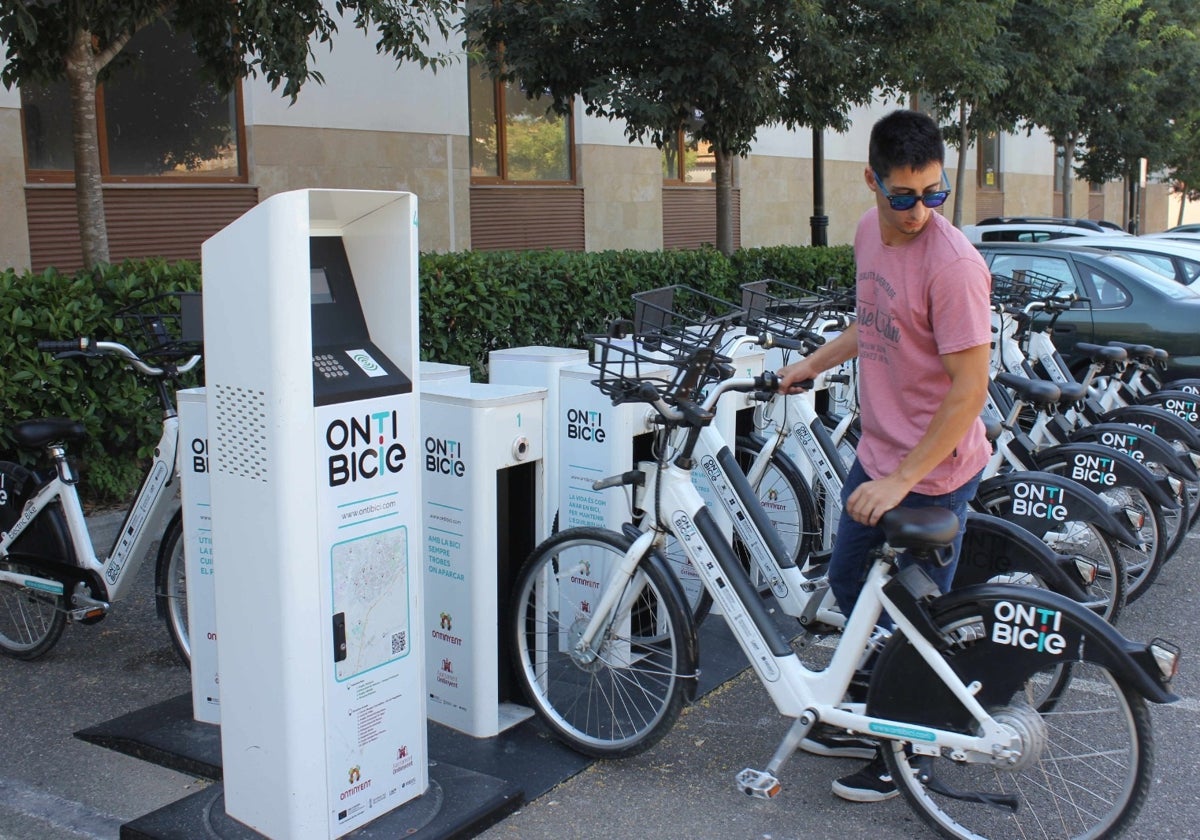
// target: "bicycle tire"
[[785, 496], [170, 588], [626, 698], [31, 622], [1060, 791], [1141, 566]]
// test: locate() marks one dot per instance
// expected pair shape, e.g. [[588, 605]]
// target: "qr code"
[[399, 642]]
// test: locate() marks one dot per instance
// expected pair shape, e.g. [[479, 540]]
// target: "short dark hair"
[[905, 138]]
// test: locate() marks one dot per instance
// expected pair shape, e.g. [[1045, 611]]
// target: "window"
[[157, 119], [989, 162], [1013, 265], [515, 138], [1109, 293], [687, 159]]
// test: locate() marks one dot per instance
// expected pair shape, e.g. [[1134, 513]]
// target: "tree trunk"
[[1182, 203], [81, 74], [960, 177], [1068, 180], [724, 178]]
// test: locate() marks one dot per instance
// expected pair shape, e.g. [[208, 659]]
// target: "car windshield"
[[1168, 287]]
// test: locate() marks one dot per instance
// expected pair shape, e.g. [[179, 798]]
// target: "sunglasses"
[[908, 202]]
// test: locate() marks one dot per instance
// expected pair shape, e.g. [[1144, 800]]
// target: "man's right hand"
[[796, 377]]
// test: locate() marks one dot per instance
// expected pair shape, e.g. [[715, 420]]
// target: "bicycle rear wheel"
[[622, 696], [30, 622], [1085, 771]]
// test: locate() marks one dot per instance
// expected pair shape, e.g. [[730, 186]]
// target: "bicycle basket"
[[642, 368], [155, 328], [681, 317], [1025, 286], [777, 307]]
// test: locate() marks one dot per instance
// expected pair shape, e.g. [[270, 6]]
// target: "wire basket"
[[1024, 286], [682, 319], [643, 368], [155, 327], [776, 307]]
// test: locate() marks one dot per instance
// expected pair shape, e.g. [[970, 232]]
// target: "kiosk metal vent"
[[241, 432]]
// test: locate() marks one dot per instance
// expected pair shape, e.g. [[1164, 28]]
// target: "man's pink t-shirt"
[[916, 302]]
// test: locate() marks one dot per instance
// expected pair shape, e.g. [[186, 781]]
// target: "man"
[[921, 335]]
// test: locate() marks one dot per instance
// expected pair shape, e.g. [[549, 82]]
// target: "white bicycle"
[[606, 649], [49, 572]]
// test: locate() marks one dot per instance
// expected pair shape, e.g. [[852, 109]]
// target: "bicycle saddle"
[[1143, 352], [927, 527], [1036, 392], [1102, 353], [34, 434]]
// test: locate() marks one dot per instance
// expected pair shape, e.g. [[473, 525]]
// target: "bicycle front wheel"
[[1084, 773], [784, 495], [31, 622], [620, 696], [170, 589]]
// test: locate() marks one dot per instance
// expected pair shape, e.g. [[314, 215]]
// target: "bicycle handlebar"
[[88, 347], [78, 345]]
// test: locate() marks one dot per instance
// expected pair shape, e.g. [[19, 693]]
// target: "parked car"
[[1117, 299], [1191, 227], [1177, 259], [1036, 229]]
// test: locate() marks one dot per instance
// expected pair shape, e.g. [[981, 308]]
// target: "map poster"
[[370, 533]]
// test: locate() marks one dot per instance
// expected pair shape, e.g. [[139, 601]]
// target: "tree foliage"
[[84, 40], [722, 69], [1140, 91]]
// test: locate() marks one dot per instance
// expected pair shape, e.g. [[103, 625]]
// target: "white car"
[[1036, 229], [1174, 258]]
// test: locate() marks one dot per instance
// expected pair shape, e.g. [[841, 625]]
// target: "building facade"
[[488, 169]]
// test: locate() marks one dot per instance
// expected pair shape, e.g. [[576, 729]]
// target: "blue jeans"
[[851, 558]]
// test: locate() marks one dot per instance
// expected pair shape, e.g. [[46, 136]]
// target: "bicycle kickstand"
[[764, 784]]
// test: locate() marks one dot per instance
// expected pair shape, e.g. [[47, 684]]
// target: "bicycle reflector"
[[1087, 570], [1166, 657]]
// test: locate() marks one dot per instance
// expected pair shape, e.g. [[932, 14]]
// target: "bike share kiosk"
[[310, 335]]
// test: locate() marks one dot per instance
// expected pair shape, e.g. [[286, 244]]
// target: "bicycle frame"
[[797, 691], [144, 521]]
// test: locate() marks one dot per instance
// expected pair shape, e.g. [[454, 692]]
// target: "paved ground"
[[55, 787]]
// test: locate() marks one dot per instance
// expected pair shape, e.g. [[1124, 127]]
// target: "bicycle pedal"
[[758, 783]]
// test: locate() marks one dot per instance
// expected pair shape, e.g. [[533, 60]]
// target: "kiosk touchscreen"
[[310, 327]]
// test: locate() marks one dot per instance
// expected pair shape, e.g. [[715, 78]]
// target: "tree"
[[958, 66], [1139, 90], [82, 41], [724, 69]]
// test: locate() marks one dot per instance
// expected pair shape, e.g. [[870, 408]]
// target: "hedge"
[[471, 303]]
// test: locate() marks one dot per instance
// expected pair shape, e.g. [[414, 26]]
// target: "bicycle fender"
[[993, 546], [1038, 501], [1182, 404], [1086, 636], [1158, 420], [1100, 467], [1189, 385], [1025, 630], [1142, 444]]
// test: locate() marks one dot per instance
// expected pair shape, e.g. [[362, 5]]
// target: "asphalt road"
[[55, 787]]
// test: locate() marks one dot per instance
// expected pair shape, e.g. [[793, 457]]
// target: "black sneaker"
[[872, 783], [838, 743]]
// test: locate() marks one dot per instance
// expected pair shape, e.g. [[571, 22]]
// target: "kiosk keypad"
[[328, 366]]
